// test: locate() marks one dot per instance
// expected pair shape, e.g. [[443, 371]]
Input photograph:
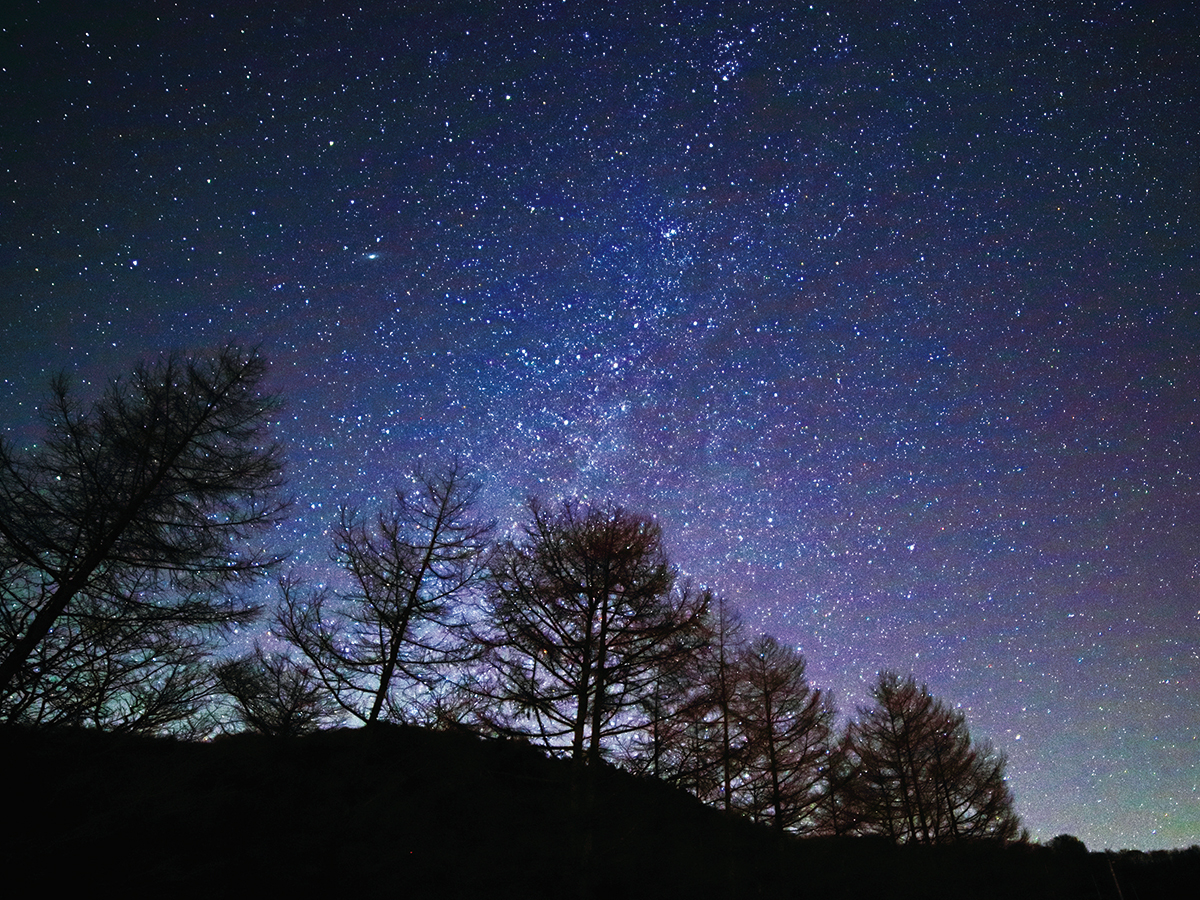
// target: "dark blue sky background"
[[887, 311]]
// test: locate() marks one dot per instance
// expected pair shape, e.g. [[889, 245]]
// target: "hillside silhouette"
[[423, 813]]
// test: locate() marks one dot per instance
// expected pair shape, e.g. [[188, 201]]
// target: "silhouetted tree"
[[787, 725], [142, 674], [585, 618], [837, 811], [121, 533], [919, 777], [696, 739], [719, 677], [660, 747], [401, 622], [1068, 845], [274, 694]]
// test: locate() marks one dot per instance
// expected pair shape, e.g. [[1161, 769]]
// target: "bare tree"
[[719, 676], [693, 738], [274, 694], [919, 777], [401, 623], [137, 673], [586, 616], [668, 745], [122, 531], [837, 810], [787, 726], [585, 620]]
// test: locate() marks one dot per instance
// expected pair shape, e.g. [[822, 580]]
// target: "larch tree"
[[662, 747], [719, 677], [837, 808], [786, 724], [273, 694], [585, 618], [400, 624], [697, 742], [918, 775], [121, 535]]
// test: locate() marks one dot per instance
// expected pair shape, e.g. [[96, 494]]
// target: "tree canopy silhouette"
[[712, 745], [918, 775], [398, 623], [586, 613], [787, 725], [691, 738], [121, 532], [273, 694]]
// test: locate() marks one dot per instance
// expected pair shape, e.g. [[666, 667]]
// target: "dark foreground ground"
[[405, 812]]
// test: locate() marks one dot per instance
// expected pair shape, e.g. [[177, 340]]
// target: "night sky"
[[888, 311]]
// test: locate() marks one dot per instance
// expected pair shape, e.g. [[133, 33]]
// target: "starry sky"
[[887, 311]]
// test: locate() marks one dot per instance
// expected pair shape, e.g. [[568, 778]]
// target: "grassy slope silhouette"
[[419, 813]]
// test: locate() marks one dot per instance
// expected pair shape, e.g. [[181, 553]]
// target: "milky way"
[[889, 317]]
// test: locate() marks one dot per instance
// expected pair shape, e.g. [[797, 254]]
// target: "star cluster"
[[888, 312]]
